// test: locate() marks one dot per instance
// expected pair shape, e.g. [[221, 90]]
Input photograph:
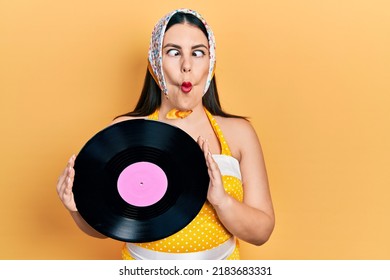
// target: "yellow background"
[[313, 76]]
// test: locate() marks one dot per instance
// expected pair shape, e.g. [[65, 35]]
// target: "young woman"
[[180, 90]]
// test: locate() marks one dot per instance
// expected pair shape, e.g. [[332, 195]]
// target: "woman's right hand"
[[65, 185]]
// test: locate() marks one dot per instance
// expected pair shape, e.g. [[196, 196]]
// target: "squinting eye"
[[198, 53], [173, 52]]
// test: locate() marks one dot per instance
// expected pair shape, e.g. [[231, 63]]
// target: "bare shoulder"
[[239, 134], [125, 118], [234, 126]]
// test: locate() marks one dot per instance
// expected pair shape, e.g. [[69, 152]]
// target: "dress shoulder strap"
[[225, 150], [154, 115]]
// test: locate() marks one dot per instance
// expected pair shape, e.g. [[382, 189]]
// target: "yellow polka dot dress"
[[205, 231]]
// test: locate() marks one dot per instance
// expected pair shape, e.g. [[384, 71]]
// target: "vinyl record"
[[140, 180]]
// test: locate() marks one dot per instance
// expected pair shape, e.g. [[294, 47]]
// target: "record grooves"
[[140, 180]]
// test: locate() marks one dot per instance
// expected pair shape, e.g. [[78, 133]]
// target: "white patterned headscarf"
[[155, 49]]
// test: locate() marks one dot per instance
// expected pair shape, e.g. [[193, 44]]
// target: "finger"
[[205, 148], [62, 182], [72, 160], [61, 187], [208, 155], [209, 162], [211, 175], [71, 172], [67, 196], [68, 186], [64, 173], [66, 170], [201, 142], [62, 177], [70, 180], [214, 169], [68, 201], [70, 164]]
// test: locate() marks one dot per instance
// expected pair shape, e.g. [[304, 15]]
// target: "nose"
[[186, 64], [186, 69]]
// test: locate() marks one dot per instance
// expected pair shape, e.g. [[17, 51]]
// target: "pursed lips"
[[186, 87]]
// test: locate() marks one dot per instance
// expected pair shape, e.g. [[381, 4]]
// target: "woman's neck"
[[168, 114]]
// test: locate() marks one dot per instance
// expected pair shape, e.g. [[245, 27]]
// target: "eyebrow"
[[170, 45]]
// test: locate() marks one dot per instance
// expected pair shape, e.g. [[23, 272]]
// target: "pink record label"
[[142, 184]]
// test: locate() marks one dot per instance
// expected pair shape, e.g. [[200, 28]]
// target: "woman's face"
[[185, 60]]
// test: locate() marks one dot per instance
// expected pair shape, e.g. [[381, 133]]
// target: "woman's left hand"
[[216, 194]]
